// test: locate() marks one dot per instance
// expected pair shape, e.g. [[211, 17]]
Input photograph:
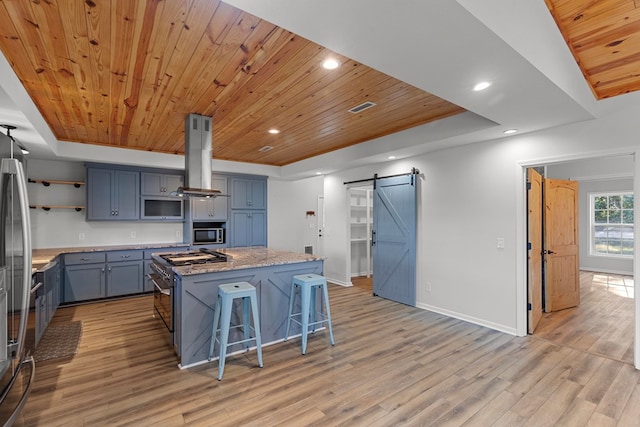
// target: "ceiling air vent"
[[265, 149], [362, 107]]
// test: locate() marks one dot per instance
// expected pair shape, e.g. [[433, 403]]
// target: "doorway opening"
[[360, 236], [604, 321]]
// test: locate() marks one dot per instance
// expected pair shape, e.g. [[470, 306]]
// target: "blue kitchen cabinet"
[[94, 275], [159, 184], [124, 271], [213, 209], [84, 282], [249, 228], [51, 283], [113, 194], [248, 193]]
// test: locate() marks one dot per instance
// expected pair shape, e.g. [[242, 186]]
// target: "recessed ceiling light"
[[330, 64], [391, 157], [265, 149], [481, 86], [510, 131], [274, 131]]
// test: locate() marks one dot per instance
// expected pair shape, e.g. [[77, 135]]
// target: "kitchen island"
[[196, 286]]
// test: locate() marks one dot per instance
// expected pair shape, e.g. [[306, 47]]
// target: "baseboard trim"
[[480, 322]]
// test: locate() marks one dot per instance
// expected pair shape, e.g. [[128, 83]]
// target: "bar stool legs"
[[308, 284], [222, 319]]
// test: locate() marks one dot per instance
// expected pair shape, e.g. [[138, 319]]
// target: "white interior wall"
[[59, 228], [289, 227], [469, 197]]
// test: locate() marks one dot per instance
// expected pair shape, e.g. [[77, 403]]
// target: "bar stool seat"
[[308, 285], [227, 293]]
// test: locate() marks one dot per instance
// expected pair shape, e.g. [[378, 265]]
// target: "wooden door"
[[534, 256], [394, 238], [562, 281]]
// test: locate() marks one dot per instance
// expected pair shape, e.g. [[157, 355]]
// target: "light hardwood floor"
[[391, 365], [603, 322]]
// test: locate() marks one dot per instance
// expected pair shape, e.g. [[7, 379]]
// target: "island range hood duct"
[[197, 158]]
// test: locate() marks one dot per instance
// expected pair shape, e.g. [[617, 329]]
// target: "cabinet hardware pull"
[[126, 256]]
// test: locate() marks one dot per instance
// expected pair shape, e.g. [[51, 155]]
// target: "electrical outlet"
[[178, 234], [428, 286], [81, 236], [500, 243], [133, 234]]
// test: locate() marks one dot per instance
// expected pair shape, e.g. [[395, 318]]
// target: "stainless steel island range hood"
[[198, 135]]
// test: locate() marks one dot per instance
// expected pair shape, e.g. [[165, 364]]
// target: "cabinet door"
[[126, 195], [172, 182], [249, 228], [151, 184], [258, 194], [158, 184], [124, 278], [240, 229], [83, 282], [220, 204], [202, 209], [99, 194], [258, 224], [248, 193]]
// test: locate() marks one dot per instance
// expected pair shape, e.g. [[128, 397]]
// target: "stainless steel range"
[[163, 278]]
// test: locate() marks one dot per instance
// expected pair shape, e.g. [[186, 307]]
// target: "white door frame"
[[521, 237], [320, 227]]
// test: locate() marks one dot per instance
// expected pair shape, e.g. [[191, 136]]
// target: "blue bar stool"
[[222, 316], [308, 284]]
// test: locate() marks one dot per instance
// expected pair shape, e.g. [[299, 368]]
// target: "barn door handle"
[[373, 237]]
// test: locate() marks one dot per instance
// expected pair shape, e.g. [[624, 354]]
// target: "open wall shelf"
[[48, 182]]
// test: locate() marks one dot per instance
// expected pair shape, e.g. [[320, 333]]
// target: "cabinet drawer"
[[131, 255], [84, 258]]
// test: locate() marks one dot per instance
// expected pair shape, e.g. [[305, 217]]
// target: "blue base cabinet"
[[95, 275], [84, 282]]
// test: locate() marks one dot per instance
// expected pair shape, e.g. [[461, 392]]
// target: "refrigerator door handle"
[[14, 167], [25, 395]]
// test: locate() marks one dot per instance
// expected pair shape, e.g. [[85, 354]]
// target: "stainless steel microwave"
[[205, 236]]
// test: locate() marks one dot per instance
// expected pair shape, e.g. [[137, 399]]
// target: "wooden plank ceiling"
[[604, 37], [125, 73]]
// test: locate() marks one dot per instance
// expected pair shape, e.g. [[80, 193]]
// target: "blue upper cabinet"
[[112, 194], [159, 184], [248, 193], [214, 209]]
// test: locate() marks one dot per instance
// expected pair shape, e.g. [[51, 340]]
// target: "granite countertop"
[[252, 257], [41, 257]]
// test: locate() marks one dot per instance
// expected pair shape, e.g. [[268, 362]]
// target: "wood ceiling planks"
[[126, 73], [604, 37]]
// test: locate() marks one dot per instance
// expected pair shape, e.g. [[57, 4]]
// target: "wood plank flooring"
[[391, 365], [603, 322]]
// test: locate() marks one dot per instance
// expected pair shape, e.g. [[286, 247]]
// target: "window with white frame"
[[612, 230]]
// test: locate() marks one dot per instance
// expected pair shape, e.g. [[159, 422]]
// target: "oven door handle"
[[35, 288], [159, 284]]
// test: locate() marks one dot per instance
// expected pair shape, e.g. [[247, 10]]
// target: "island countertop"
[[243, 258]]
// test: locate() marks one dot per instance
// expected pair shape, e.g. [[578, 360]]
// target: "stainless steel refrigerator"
[[17, 367]]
